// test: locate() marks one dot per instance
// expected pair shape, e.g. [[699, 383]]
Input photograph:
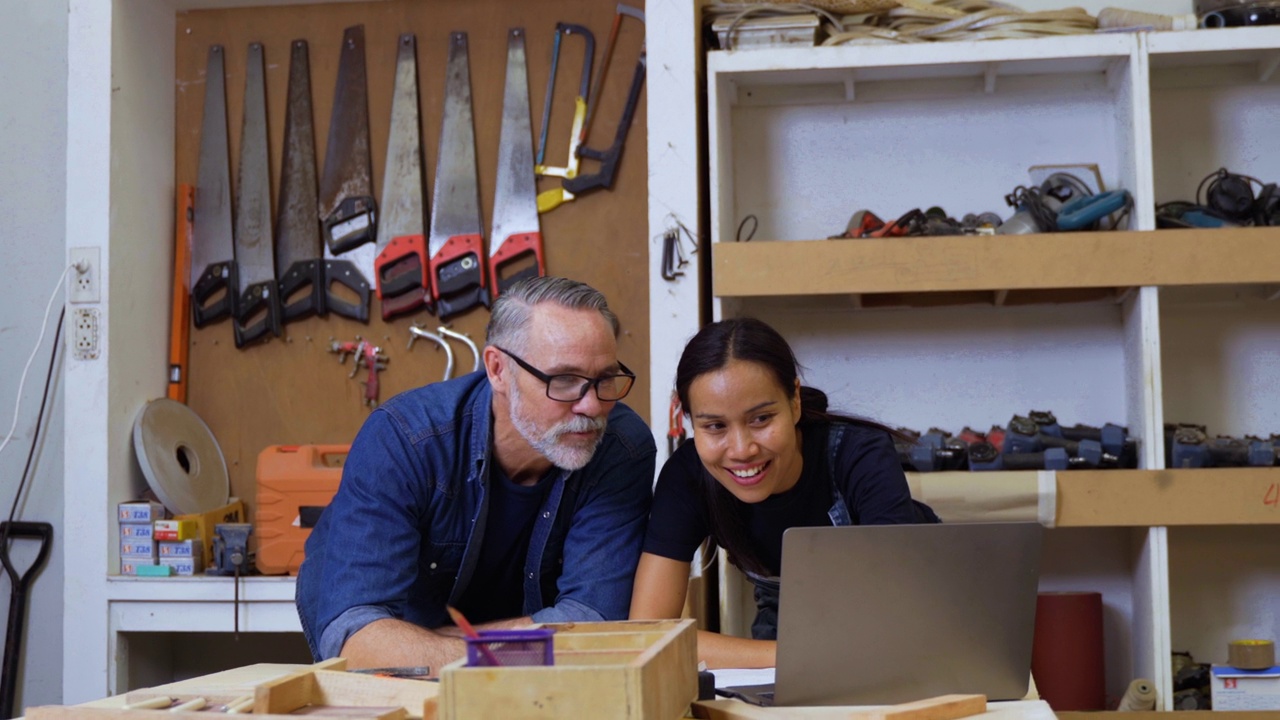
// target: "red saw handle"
[[402, 279], [513, 248], [458, 278]]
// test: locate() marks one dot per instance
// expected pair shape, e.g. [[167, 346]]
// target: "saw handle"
[[263, 297], [218, 276], [513, 248], [353, 223], [302, 274], [458, 281], [401, 274], [344, 273]]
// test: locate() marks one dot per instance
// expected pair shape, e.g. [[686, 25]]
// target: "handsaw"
[[400, 268], [213, 267], [457, 272], [516, 232], [257, 311], [553, 198], [298, 250], [347, 208]]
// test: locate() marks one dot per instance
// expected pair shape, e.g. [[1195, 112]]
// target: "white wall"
[[33, 120]]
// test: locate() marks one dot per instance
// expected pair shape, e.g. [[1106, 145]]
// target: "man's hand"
[[396, 643]]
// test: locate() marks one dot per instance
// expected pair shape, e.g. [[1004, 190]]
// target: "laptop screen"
[[886, 614]]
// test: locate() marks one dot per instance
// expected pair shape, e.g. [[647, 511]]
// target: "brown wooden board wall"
[[291, 390]]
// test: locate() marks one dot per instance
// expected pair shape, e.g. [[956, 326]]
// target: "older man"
[[515, 494]]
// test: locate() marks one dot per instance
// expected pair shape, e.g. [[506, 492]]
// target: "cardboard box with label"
[[1236, 689]]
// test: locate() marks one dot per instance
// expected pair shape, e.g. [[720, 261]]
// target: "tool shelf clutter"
[[1137, 327]]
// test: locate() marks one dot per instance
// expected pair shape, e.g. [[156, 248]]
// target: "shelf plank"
[[1127, 498], [996, 262], [1052, 55]]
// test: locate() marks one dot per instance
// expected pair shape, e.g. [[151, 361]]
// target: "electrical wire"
[[35, 435], [17, 405]]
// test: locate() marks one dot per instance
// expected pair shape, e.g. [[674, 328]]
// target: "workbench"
[[241, 681]]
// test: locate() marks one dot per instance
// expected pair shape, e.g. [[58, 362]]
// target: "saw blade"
[[211, 225], [297, 221], [402, 201], [347, 207], [253, 247], [455, 204], [298, 242], [515, 198]]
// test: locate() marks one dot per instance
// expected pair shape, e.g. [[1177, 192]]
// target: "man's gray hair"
[[513, 308]]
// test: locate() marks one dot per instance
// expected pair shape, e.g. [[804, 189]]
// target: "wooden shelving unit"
[[1114, 261], [1138, 327]]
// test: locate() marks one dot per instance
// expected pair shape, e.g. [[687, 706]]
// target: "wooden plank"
[[81, 712], [1213, 496], [659, 627], [612, 658], [534, 693], [946, 707], [230, 684], [667, 681], [418, 698], [576, 642], [286, 694], [291, 390], [1018, 262]]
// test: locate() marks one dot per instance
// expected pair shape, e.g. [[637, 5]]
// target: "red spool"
[[1067, 657]]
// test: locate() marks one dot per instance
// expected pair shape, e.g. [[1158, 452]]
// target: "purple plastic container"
[[512, 648]]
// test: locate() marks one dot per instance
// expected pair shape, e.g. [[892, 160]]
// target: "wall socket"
[[83, 287], [84, 335]]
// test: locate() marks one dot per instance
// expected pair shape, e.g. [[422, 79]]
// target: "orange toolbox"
[[295, 484]]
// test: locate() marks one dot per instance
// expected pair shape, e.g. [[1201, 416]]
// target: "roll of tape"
[[1251, 654], [1141, 695]]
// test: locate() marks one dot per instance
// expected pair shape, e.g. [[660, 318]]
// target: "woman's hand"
[[659, 593]]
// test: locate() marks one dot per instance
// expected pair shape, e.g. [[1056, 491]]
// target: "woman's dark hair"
[[755, 341]]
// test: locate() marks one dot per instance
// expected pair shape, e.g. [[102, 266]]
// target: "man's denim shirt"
[[402, 535]]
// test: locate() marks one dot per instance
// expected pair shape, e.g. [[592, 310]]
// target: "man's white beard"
[[550, 443]]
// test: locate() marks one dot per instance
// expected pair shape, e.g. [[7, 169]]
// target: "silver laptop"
[[887, 614]]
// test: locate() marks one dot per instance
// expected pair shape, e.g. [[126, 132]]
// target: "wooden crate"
[[630, 670]]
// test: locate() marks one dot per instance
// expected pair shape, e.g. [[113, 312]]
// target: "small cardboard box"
[[180, 549], [175, 529], [1236, 689], [184, 565], [140, 511], [136, 532], [136, 549]]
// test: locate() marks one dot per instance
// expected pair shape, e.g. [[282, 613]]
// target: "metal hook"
[[475, 354], [416, 332]]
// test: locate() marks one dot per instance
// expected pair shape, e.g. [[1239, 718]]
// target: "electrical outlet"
[[83, 284], [84, 336]]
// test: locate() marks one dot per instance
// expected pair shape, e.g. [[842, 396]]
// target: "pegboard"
[[292, 389]]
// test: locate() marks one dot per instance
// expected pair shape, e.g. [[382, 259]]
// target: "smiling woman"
[[766, 456]]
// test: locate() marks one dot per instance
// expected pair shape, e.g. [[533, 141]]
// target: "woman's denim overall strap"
[[767, 589]]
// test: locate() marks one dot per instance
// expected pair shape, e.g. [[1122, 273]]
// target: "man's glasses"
[[572, 388]]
